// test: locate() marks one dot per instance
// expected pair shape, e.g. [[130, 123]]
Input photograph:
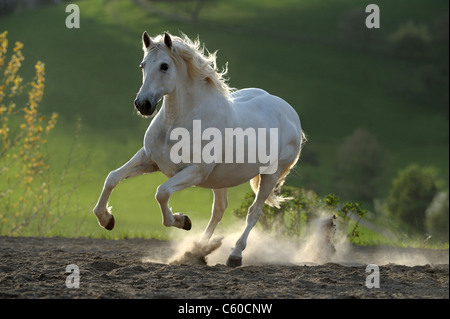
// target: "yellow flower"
[[3, 47], [4, 130], [18, 47], [28, 180]]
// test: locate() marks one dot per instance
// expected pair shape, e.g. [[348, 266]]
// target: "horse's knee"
[[162, 195], [111, 180]]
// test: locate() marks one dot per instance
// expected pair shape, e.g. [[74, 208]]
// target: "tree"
[[410, 41], [412, 192]]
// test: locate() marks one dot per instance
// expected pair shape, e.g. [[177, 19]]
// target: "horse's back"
[[245, 95], [257, 103]]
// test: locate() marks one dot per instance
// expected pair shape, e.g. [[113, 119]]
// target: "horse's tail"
[[274, 200]]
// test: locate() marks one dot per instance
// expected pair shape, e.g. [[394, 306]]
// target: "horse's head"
[[158, 74]]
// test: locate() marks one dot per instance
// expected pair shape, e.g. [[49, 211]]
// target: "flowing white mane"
[[200, 65]]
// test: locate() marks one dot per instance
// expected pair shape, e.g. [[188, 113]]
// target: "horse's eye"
[[141, 65], [164, 67]]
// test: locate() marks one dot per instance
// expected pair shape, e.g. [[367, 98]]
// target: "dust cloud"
[[196, 254], [324, 242]]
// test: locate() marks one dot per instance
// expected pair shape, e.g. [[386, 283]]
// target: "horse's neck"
[[185, 101]]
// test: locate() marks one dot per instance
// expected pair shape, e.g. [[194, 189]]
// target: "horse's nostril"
[[147, 105], [144, 107]]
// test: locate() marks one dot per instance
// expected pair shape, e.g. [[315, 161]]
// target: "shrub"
[[410, 41], [294, 215], [411, 193], [25, 187]]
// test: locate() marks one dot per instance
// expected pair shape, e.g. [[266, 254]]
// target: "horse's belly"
[[230, 175]]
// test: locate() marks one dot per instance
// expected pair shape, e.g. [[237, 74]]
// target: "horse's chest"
[[158, 146]]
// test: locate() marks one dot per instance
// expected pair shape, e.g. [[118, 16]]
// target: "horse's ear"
[[146, 40], [168, 40]]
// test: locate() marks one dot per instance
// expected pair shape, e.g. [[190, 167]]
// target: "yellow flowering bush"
[[24, 169]]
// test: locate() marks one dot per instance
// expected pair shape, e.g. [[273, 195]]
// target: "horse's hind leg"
[[137, 165], [266, 185], [219, 206]]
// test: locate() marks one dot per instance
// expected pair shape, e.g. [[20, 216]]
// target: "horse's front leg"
[[139, 164], [189, 176]]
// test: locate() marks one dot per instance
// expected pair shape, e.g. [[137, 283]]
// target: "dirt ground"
[[138, 268]]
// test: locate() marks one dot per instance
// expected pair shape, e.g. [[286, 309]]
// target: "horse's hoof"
[[111, 223], [187, 225], [233, 261]]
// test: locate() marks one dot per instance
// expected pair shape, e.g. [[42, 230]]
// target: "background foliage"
[[391, 83]]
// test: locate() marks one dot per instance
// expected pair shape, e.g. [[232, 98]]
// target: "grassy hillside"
[[293, 49]]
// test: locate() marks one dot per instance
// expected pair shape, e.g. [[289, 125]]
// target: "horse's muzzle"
[[145, 108]]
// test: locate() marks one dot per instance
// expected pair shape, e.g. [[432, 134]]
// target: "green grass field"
[[289, 48]]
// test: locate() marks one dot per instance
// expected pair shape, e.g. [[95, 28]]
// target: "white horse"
[[178, 71]]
